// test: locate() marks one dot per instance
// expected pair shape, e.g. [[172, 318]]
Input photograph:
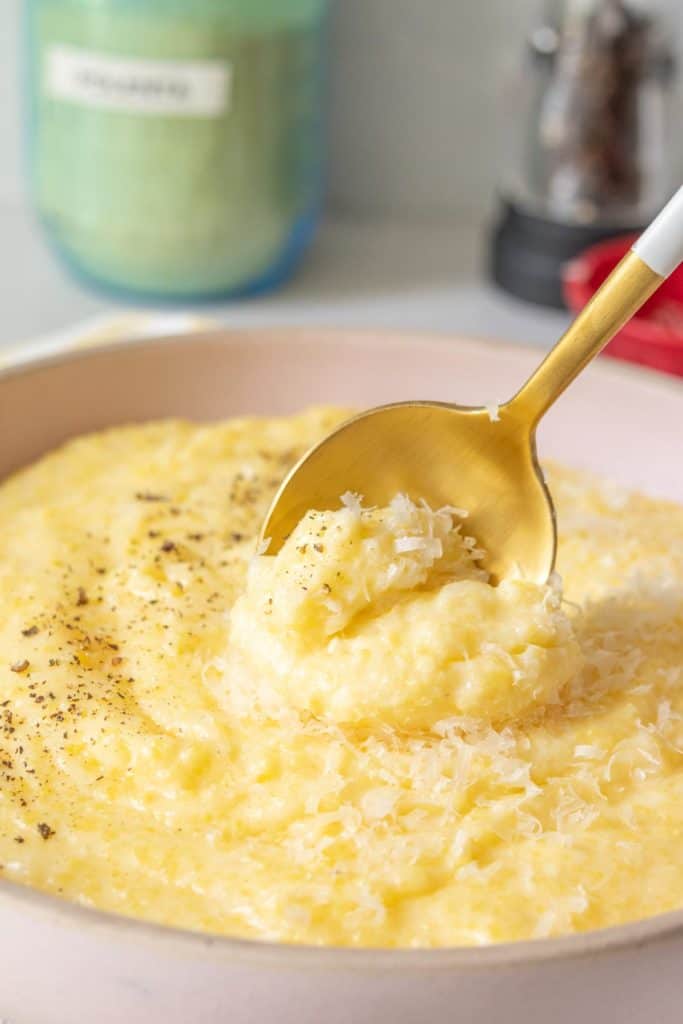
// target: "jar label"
[[185, 88]]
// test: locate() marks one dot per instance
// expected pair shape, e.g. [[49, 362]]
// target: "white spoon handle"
[[661, 245]]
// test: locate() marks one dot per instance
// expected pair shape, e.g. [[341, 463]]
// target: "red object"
[[654, 337]]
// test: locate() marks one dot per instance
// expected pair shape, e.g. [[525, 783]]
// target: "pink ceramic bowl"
[[63, 964]]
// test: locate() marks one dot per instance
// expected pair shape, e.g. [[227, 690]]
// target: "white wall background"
[[10, 134], [417, 89]]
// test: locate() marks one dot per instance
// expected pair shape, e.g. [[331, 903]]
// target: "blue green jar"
[[176, 145]]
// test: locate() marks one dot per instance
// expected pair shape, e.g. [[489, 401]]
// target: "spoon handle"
[[655, 255]]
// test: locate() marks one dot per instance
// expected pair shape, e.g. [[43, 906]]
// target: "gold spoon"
[[474, 458]]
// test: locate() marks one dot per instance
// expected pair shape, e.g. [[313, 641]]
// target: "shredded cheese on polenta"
[[360, 745]]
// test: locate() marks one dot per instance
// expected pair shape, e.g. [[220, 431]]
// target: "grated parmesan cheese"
[[172, 761]]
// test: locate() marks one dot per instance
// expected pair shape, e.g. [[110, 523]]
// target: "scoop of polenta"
[[386, 615]]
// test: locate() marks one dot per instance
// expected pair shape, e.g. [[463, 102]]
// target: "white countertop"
[[426, 277]]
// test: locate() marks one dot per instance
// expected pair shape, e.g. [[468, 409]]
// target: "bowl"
[[654, 337], [65, 964]]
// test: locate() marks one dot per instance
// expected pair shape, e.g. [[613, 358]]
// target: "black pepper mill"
[[591, 140]]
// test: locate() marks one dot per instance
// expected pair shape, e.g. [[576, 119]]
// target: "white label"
[[191, 88]]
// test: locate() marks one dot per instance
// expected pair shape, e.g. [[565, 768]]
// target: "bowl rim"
[[24, 358], [634, 935]]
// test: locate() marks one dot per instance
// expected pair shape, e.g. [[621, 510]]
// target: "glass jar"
[[176, 145]]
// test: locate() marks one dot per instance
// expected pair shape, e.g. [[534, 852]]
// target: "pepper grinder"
[[589, 157]]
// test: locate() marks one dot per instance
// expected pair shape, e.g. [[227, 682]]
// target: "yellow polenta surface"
[[360, 754]]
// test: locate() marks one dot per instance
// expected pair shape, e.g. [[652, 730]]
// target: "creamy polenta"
[[358, 741]]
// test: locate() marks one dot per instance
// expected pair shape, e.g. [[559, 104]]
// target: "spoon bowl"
[[438, 453]]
